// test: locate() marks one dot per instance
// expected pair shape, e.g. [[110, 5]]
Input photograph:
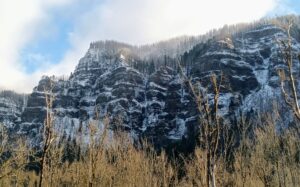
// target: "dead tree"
[[3, 139], [210, 129], [96, 145], [48, 130], [291, 98], [19, 154]]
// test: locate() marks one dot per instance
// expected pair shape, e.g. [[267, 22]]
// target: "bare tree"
[[210, 128], [291, 98], [96, 149], [48, 130], [19, 154], [3, 138]]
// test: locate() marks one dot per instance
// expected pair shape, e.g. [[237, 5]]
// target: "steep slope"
[[11, 107], [249, 62], [154, 106], [146, 96]]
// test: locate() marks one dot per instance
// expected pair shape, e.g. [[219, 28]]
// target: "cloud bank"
[[132, 21]]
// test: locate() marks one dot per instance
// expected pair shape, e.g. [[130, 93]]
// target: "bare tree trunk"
[[210, 127], [47, 132], [42, 171], [213, 176], [290, 99], [208, 172]]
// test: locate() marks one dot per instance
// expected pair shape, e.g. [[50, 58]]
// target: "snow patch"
[[179, 131]]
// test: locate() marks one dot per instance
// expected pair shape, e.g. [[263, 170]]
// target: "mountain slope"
[[144, 94], [11, 107]]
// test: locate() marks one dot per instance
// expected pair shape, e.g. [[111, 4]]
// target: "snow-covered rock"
[[149, 98]]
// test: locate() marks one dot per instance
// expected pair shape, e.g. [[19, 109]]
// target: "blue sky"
[[52, 43], [49, 36], [288, 6]]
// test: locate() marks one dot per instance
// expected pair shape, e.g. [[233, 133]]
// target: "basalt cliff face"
[[145, 95]]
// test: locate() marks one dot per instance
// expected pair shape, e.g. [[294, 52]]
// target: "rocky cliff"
[[148, 98]]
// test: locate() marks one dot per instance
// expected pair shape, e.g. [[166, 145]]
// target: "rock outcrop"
[[157, 104]]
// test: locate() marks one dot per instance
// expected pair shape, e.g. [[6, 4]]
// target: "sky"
[[48, 37]]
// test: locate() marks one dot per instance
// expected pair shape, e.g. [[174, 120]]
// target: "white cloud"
[[284, 7], [147, 21], [132, 21], [20, 21]]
